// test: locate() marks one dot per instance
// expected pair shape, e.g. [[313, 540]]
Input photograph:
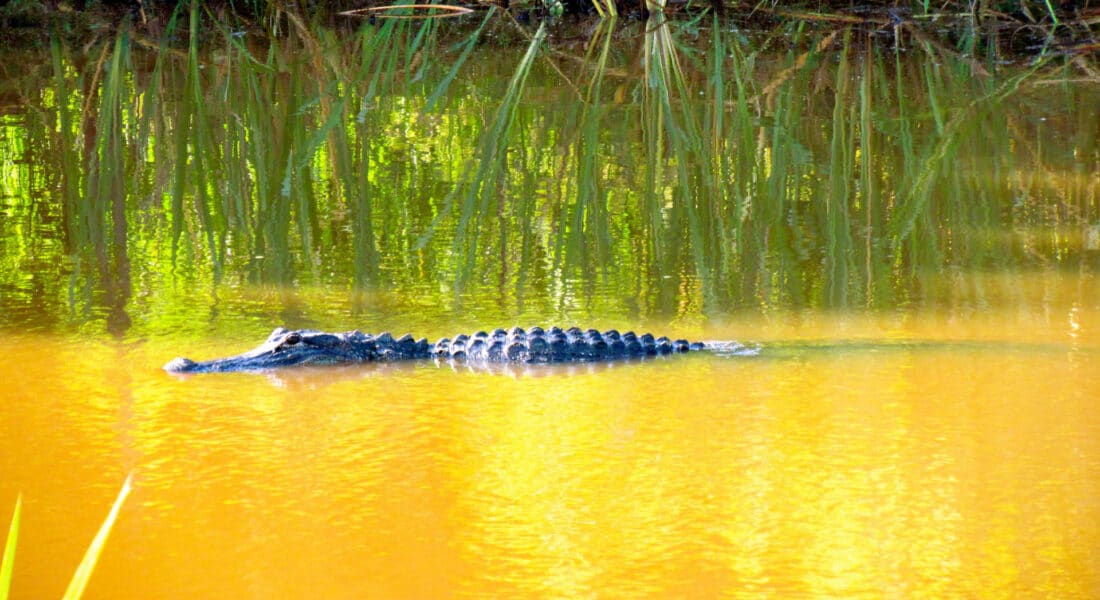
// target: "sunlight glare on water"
[[846, 468]]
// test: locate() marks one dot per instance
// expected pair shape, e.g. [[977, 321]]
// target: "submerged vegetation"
[[673, 167]]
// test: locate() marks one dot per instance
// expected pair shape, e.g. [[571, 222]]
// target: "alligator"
[[285, 348]]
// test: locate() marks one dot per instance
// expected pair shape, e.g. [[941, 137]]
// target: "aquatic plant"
[[692, 168], [79, 581], [7, 562]]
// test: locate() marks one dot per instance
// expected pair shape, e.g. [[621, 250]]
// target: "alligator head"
[[284, 348]]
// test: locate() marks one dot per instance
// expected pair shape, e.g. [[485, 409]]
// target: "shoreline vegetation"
[[690, 166], [1014, 27]]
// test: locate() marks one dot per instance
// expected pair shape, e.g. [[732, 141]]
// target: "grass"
[[83, 574], [7, 563], [474, 197], [698, 169]]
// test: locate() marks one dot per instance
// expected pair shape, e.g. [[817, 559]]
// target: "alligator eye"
[[292, 339]]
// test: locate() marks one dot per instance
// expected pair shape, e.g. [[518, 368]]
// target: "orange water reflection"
[[959, 467]]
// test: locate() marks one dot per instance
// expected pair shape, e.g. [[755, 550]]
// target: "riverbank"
[[1023, 28]]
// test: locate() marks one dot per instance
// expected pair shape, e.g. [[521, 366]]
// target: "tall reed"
[[83, 574]]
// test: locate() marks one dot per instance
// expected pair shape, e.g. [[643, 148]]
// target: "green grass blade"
[[490, 167], [9, 551], [84, 571], [468, 47]]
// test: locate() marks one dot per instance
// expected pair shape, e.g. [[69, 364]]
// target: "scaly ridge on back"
[[555, 345]]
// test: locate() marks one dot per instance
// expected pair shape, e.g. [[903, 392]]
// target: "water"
[[911, 247], [959, 466]]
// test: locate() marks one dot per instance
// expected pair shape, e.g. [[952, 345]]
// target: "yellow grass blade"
[[84, 571], [7, 562]]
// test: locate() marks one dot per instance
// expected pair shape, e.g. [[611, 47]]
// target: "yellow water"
[[889, 456]]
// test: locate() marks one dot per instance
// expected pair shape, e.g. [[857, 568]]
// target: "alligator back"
[[555, 344], [284, 348]]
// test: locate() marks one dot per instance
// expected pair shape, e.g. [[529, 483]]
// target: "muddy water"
[[856, 456]]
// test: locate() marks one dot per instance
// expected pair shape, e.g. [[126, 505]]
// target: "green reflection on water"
[[419, 173]]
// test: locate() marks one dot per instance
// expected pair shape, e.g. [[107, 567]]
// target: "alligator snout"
[[180, 365]]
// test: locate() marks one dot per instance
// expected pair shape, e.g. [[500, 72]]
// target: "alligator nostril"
[[180, 365]]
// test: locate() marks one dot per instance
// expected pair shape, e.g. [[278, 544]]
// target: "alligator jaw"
[[281, 348], [235, 363], [244, 362], [284, 348]]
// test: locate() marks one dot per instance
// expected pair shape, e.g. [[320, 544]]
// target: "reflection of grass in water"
[[489, 171], [838, 177], [83, 573]]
